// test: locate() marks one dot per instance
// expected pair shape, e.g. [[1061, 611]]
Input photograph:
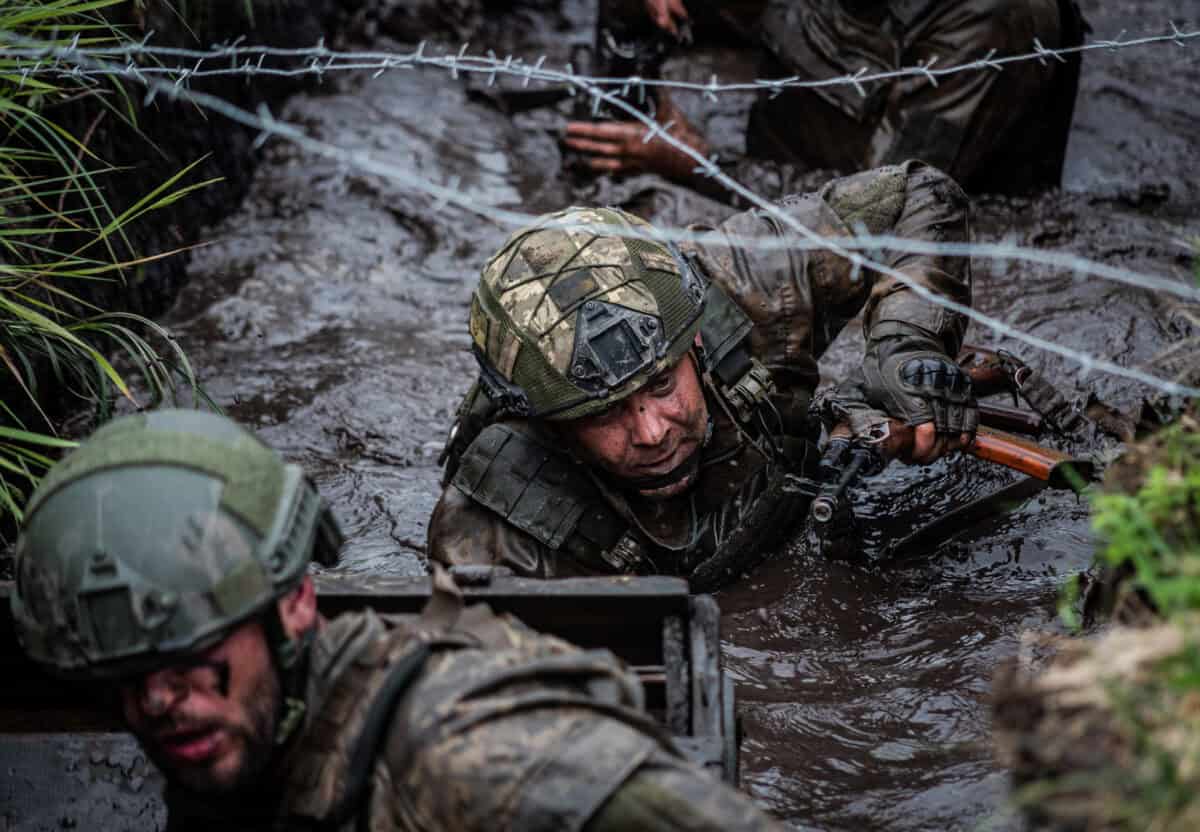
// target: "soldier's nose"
[[649, 425], [159, 692]]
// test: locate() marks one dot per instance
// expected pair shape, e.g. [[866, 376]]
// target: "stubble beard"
[[255, 742]]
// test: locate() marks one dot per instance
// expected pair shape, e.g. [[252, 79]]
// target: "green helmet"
[[569, 318], [156, 537]]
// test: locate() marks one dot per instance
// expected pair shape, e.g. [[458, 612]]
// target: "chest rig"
[[521, 472]]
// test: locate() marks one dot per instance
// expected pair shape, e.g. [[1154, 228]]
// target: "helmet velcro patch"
[[252, 473]]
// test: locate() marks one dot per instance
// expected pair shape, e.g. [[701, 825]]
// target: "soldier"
[[167, 558], [994, 131], [640, 408]]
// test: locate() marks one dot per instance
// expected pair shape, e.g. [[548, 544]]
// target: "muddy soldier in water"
[[166, 560], [993, 131], [645, 409]]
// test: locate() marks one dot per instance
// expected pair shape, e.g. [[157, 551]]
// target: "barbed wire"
[[252, 60], [268, 126], [461, 62]]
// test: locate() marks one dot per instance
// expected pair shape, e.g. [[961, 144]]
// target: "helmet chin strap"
[[290, 658]]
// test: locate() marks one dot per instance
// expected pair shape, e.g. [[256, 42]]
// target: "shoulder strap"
[[366, 748], [475, 412], [723, 331]]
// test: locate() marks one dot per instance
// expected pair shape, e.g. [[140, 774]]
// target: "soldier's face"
[[209, 722], [650, 433]]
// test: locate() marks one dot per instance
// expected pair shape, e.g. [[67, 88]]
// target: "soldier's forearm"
[[935, 210], [668, 795]]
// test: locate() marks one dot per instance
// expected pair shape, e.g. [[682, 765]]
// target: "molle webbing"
[[252, 473], [535, 487]]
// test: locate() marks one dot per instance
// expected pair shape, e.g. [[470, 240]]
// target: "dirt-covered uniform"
[[515, 496], [149, 552], [480, 724], [991, 130]]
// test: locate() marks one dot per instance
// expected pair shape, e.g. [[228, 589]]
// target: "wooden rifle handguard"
[[1053, 467]]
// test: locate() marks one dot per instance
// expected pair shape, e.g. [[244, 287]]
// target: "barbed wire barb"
[[350, 61], [463, 61], [444, 196]]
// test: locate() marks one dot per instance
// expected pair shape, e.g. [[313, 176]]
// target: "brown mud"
[[329, 313]]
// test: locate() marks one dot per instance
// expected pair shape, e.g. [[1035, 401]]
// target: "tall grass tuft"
[[62, 245]]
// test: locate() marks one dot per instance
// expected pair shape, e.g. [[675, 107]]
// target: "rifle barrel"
[[1029, 458]]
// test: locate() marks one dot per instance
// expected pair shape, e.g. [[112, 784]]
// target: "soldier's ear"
[[298, 609]]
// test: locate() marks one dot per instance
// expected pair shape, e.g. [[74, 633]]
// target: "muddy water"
[[329, 313]]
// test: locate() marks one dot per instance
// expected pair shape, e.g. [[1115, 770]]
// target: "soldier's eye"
[[662, 383]]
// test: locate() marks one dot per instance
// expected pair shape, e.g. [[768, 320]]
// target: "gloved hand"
[[914, 381]]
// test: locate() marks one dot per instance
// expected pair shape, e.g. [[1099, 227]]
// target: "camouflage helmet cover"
[[570, 317], [157, 536]]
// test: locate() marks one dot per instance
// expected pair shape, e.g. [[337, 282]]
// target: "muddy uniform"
[[481, 725], [515, 496], [991, 130], [157, 555]]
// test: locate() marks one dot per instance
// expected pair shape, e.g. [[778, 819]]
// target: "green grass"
[[1148, 518], [1147, 521], [1147, 524], [1155, 531], [60, 237]]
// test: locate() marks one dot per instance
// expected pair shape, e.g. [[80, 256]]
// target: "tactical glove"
[[912, 379]]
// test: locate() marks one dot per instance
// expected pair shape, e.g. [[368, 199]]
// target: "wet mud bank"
[[164, 135], [329, 312], [138, 143], [1100, 729]]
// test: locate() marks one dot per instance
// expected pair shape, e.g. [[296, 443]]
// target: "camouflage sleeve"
[[461, 531], [528, 734], [545, 770], [800, 298], [918, 202], [669, 795]]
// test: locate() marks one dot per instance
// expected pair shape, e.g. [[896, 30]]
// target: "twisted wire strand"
[[251, 60], [443, 195], [461, 62]]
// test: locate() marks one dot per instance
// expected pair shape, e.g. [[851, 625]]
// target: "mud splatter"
[[330, 314]]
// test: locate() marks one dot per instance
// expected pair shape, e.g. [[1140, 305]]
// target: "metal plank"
[[705, 643], [678, 693], [706, 752]]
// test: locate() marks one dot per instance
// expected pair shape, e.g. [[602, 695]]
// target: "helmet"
[[569, 317], [156, 537]]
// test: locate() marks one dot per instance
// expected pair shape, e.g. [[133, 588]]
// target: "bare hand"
[[667, 14], [926, 444], [618, 146], [918, 445]]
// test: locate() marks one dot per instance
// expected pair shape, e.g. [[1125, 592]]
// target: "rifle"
[[628, 44], [845, 460]]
